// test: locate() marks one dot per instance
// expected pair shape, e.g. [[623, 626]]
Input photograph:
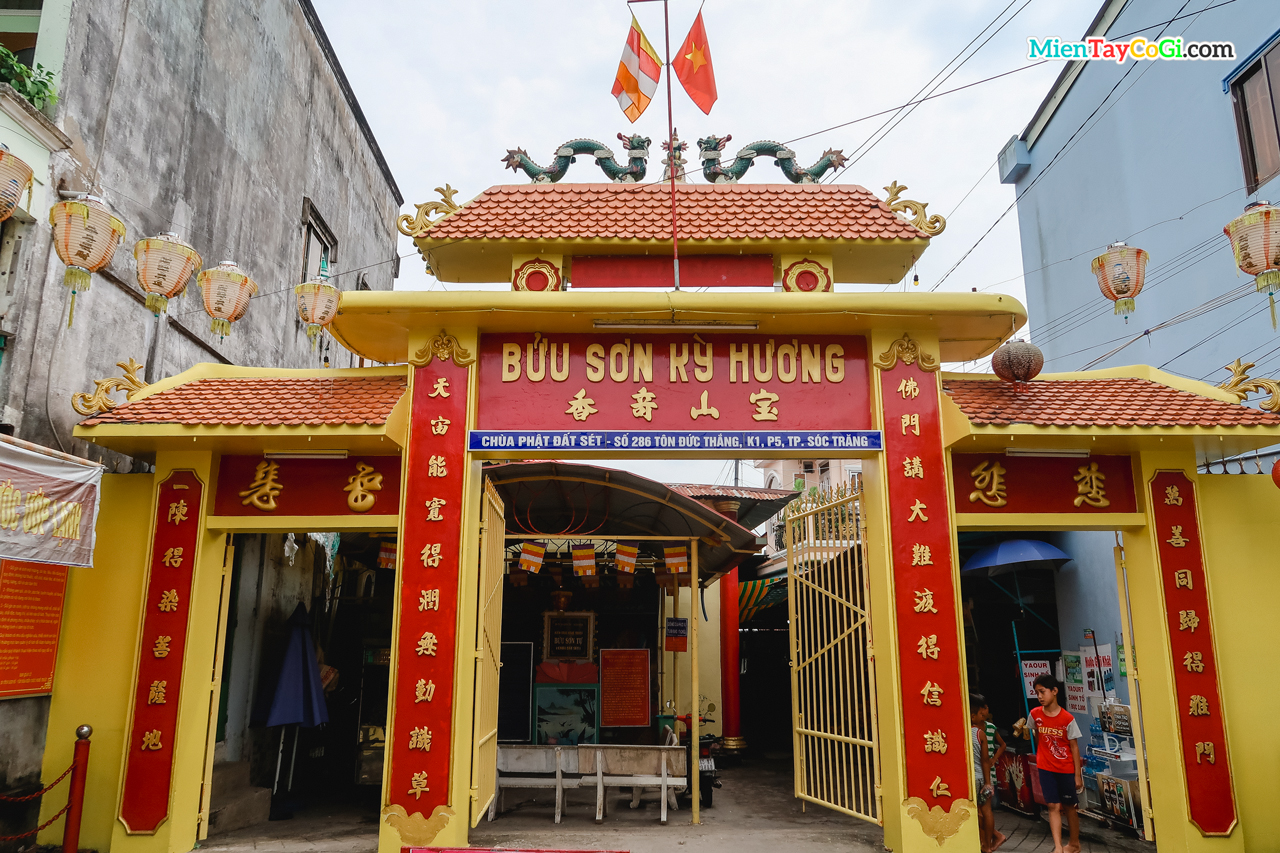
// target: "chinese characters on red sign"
[[254, 486], [995, 483], [420, 732], [1210, 798], [144, 802], [678, 382], [934, 717]]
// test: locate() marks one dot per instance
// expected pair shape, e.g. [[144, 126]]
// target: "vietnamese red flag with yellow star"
[[692, 65]]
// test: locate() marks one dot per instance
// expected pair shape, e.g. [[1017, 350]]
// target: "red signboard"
[[420, 730], [995, 483], [935, 721], [31, 597], [624, 687], [675, 382], [144, 801], [1206, 762], [360, 485], [695, 271]]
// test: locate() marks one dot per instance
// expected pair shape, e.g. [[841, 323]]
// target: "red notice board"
[[624, 687], [31, 596]]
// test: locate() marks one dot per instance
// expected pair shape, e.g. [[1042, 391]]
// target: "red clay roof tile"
[[704, 212], [312, 401], [1120, 402]]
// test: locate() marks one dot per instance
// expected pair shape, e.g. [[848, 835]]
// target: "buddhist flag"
[[584, 561], [625, 558], [638, 73], [692, 65], [677, 560], [531, 554]]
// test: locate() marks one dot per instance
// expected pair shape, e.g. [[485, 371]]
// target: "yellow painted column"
[[903, 833], [93, 680], [1153, 663]]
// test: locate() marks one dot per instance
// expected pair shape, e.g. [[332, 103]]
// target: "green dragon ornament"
[[637, 154], [711, 149]]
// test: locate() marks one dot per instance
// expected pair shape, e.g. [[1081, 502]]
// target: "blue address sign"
[[674, 440]]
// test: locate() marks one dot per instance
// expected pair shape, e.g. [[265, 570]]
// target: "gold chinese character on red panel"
[[988, 484], [424, 691], [361, 487], [921, 555], [265, 488], [924, 601], [912, 423], [178, 512], [935, 741], [917, 511], [913, 467], [932, 693], [928, 646], [1198, 706]]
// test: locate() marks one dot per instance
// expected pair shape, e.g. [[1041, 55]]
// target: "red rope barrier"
[[40, 793], [42, 826]]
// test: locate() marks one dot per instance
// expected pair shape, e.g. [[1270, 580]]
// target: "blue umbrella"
[[299, 696], [1014, 554]]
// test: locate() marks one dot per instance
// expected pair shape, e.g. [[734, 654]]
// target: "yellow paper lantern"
[[165, 266], [1255, 241], [15, 178], [1121, 272], [226, 291], [85, 235], [317, 306]]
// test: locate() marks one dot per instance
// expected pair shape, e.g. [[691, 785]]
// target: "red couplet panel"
[[363, 485], [935, 721], [153, 733], [673, 382], [995, 483], [624, 687], [1207, 764], [695, 271], [421, 727]]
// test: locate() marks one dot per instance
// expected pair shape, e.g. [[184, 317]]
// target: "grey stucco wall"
[[224, 115], [1157, 165]]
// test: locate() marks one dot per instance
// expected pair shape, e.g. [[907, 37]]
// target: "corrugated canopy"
[[562, 500]]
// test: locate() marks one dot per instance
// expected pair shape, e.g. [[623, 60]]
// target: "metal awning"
[[561, 500]]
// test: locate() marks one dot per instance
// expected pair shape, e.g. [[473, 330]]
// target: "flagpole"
[[671, 146]]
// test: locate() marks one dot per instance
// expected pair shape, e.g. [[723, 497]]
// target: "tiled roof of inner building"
[[705, 212], [1123, 402], [265, 402]]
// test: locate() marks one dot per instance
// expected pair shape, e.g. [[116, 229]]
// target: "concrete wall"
[[1163, 160], [223, 117]]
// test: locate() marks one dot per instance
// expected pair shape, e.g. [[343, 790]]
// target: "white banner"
[[48, 505], [1031, 670]]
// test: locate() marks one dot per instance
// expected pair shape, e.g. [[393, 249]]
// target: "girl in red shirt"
[[1057, 760]]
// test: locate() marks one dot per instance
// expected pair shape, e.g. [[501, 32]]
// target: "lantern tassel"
[[313, 332], [221, 325], [157, 304], [1271, 297], [71, 314], [76, 278]]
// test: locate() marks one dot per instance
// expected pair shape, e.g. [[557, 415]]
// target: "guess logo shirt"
[[1053, 739]]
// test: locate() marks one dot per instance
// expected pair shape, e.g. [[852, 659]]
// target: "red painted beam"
[[652, 271]]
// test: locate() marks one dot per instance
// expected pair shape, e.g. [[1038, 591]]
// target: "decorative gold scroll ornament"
[[930, 225], [1242, 385], [420, 222], [909, 351], [937, 823], [445, 347], [416, 830], [100, 400]]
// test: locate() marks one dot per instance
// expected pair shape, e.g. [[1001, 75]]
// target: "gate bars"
[[833, 698]]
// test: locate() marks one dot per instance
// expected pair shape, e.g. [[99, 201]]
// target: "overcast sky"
[[449, 87]]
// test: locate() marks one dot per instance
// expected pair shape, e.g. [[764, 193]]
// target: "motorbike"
[[708, 749]]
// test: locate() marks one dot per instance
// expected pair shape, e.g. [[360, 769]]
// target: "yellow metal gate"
[[833, 697], [484, 760]]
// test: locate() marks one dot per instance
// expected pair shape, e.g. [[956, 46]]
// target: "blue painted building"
[[1160, 154]]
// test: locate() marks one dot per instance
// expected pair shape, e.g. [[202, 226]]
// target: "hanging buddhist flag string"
[[625, 558], [677, 560], [584, 561], [531, 554]]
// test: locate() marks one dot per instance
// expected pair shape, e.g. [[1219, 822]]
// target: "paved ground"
[[753, 813]]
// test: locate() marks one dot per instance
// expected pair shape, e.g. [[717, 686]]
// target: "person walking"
[[1057, 760]]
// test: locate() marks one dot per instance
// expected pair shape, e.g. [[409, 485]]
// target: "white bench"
[[635, 767], [517, 763]]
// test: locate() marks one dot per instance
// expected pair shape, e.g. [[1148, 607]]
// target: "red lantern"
[[165, 266], [1255, 240], [1121, 272], [226, 291]]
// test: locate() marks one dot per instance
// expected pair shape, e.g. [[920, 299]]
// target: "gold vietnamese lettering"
[[36, 512], [265, 488], [988, 484]]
